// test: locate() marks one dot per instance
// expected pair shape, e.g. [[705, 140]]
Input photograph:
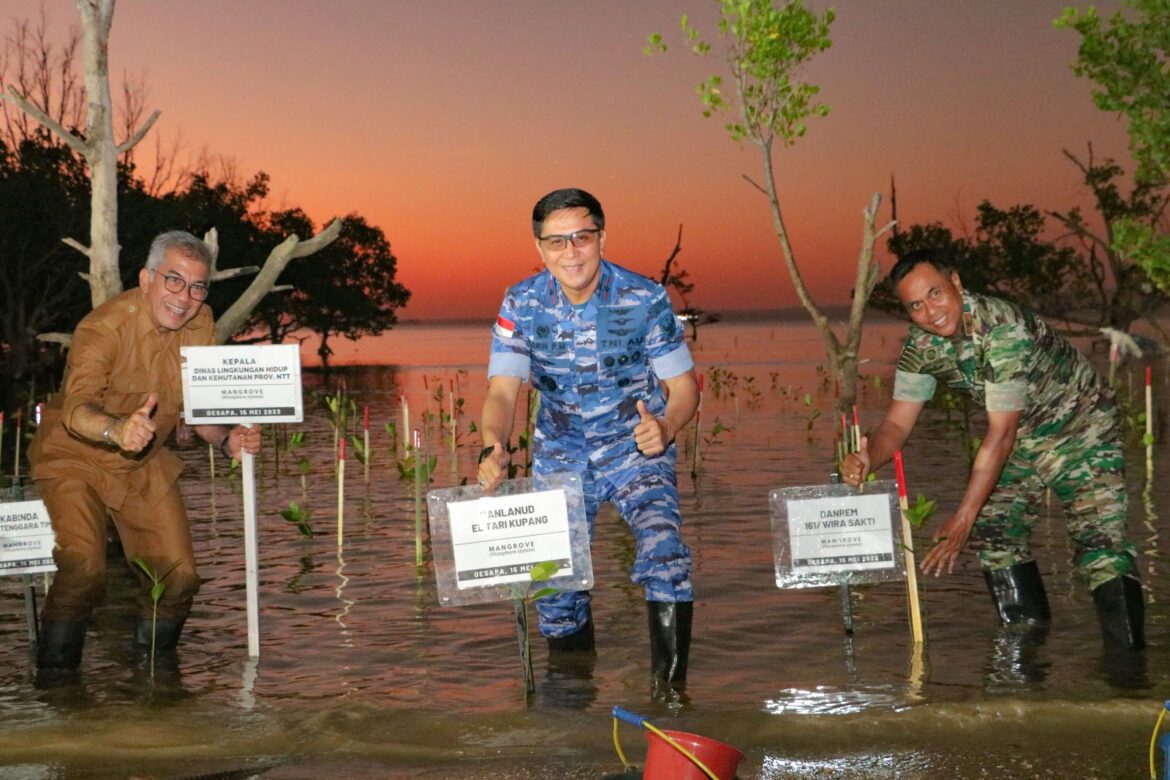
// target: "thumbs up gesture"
[[856, 466], [650, 433], [134, 433]]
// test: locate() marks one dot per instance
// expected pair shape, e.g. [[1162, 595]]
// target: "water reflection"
[[1016, 663], [824, 700], [1150, 553], [436, 692]]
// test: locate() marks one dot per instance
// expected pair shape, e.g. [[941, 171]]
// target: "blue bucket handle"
[[629, 717]]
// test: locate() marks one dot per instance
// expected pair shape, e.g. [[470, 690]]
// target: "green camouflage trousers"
[[1086, 473]]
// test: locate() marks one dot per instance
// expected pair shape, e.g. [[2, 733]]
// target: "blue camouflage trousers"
[[647, 499]]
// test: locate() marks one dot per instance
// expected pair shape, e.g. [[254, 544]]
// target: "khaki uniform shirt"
[[117, 358]]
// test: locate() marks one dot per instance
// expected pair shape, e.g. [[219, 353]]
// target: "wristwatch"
[[485, 452], [109, 426]]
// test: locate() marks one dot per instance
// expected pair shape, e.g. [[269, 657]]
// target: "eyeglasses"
[[176, 284], [579, 239]]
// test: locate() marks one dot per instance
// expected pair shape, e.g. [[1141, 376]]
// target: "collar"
[[969, 321], [143, 324]]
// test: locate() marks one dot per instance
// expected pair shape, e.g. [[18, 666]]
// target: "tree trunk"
[[842, 357], [324, 351], [290, 249], [101, 153]]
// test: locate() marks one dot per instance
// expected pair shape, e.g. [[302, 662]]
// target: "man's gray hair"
[[180, 240]]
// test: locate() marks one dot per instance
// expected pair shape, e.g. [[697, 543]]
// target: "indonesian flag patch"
[[505, 328]]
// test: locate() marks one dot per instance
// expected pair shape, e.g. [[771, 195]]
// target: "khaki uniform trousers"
[[158, 534]]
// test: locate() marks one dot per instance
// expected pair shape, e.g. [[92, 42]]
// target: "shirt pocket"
[[128, 391]]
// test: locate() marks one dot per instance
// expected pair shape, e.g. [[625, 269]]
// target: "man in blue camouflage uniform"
[[1052, 422], [603, 347]]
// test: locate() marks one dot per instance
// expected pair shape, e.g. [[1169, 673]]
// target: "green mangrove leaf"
[[542, 572]]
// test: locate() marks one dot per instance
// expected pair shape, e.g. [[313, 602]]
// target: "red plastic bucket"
[[665, 762]]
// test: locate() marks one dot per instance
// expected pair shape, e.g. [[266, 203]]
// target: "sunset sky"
[[442, 122]]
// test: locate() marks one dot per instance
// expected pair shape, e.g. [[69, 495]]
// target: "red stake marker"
[[908, 551]]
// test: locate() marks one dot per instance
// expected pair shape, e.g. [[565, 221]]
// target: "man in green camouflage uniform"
[[1052, 422]]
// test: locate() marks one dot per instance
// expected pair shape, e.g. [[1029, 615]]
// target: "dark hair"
[[911, 260], [569, 198]]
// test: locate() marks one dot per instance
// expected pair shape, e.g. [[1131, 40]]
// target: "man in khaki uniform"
[[99, 452]]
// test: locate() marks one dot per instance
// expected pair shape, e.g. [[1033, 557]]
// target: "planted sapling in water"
[[522, 596], [157, 589], [299, 515]]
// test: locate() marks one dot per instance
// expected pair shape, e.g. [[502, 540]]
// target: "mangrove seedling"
[[811, 416], [359, 449], [920, 511], [406, 467], [291, 443], [157, 589], [522, 596], [299, 515], [753, 392], [713, 437]]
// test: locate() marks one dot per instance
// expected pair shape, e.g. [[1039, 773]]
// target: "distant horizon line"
[[783, 313]]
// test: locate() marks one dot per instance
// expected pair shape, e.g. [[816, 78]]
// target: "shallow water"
[[362, 674]]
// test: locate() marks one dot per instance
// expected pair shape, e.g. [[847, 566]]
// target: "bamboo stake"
[[451, 411], [1149, 424], [340, 491], [16, 451], [405, 426], [908, 551], [855, 441], [842, 442], [698, 423], [418, 467], [366, 440]]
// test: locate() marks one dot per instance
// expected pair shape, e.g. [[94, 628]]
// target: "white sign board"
[[831, 534], [840, 533], [486, 546], [242, 384], [498, 539], [26, 538]]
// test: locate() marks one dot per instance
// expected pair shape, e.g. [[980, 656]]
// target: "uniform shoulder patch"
[[505, 327]]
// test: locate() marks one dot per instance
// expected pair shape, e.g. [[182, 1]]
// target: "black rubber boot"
[[670, 639], [1018, 593], [166, 635], [1121, 610], [60, 643], [580, 641]]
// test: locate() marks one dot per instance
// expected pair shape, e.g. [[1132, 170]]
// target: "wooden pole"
[[908, 551], [251, 553]]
